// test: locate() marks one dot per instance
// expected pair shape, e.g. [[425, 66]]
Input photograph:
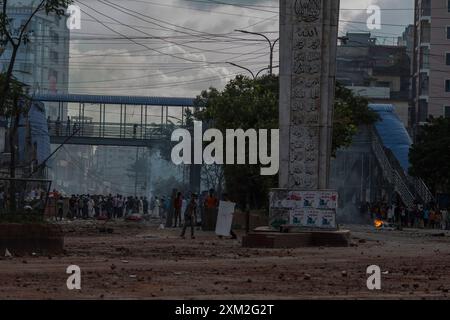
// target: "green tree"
[[350, 112], [18, 104], [430, 155], [253, 103]]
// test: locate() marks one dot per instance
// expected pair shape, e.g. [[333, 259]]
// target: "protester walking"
[[189, 217]]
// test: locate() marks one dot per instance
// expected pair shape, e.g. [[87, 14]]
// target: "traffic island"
[[32, 238]]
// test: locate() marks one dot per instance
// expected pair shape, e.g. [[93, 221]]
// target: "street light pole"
[[271, 46], [246, 69]]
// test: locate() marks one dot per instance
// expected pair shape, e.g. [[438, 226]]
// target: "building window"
[[54, 56], [447, 57], [423, 111], [447, 85], [425, 32], [55, 37], [423, 84], [426, 8], [448, 5], [424, 58], [447, 110], [448, 33]]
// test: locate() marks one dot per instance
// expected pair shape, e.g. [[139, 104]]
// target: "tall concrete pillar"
[[308, 43]]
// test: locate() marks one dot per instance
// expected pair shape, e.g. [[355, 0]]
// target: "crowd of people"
[[429, 216], [29, 200], [189, 209], [110, 206]]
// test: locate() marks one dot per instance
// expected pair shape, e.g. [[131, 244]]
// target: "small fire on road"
[[378, 224]]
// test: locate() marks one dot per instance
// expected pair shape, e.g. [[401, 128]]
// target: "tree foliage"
[[350, 112], [253, 104], [430, 155], [16, 93], [243, 104]]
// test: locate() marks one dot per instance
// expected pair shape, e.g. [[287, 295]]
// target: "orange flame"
[[378, 224]]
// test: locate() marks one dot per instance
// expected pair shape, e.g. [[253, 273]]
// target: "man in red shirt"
[[211, 205]]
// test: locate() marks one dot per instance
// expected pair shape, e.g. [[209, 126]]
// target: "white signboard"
[[225, 218]]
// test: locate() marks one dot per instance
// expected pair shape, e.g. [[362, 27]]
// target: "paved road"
[[141, 262]]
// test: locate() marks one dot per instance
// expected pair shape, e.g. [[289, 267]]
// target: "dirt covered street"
[[138, 261]]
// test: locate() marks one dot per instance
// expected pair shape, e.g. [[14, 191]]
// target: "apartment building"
[[43, 62], [431, 66], [382, 73]]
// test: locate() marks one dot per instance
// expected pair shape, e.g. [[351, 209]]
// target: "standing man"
[[68, 126], [178, 203], [141, 205], [85, 207], [109, 207], [115, 202], [211, 204], [189, 218], [80, 206], [145, 201], [157, 208], [72, 207], [60, 206]]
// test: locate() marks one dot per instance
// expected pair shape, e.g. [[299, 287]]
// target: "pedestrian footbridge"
[[114, 120], [391, 144]]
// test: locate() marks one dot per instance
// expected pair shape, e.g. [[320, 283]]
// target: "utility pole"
[[135, 172], [271, 46]]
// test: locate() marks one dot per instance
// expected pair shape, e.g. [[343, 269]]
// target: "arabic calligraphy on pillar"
[[306, 84]]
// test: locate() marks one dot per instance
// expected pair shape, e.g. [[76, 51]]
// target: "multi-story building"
[[379, 72], [407, 40], [431, 73], [43, 62]]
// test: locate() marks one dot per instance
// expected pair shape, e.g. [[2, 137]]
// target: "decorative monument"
[[303, 208], [308, 43]]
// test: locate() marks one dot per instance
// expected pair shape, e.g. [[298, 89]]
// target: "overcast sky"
[[180, 47]]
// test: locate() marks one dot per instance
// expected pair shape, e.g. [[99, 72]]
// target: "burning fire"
[[378, 224]]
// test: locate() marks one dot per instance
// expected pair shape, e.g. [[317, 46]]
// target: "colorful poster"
[[328, 220], [310, 200], [312, 219], [327, 200], [308, 209], [297, 218]]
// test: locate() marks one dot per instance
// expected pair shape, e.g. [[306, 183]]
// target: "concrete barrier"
[[23, 239]]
